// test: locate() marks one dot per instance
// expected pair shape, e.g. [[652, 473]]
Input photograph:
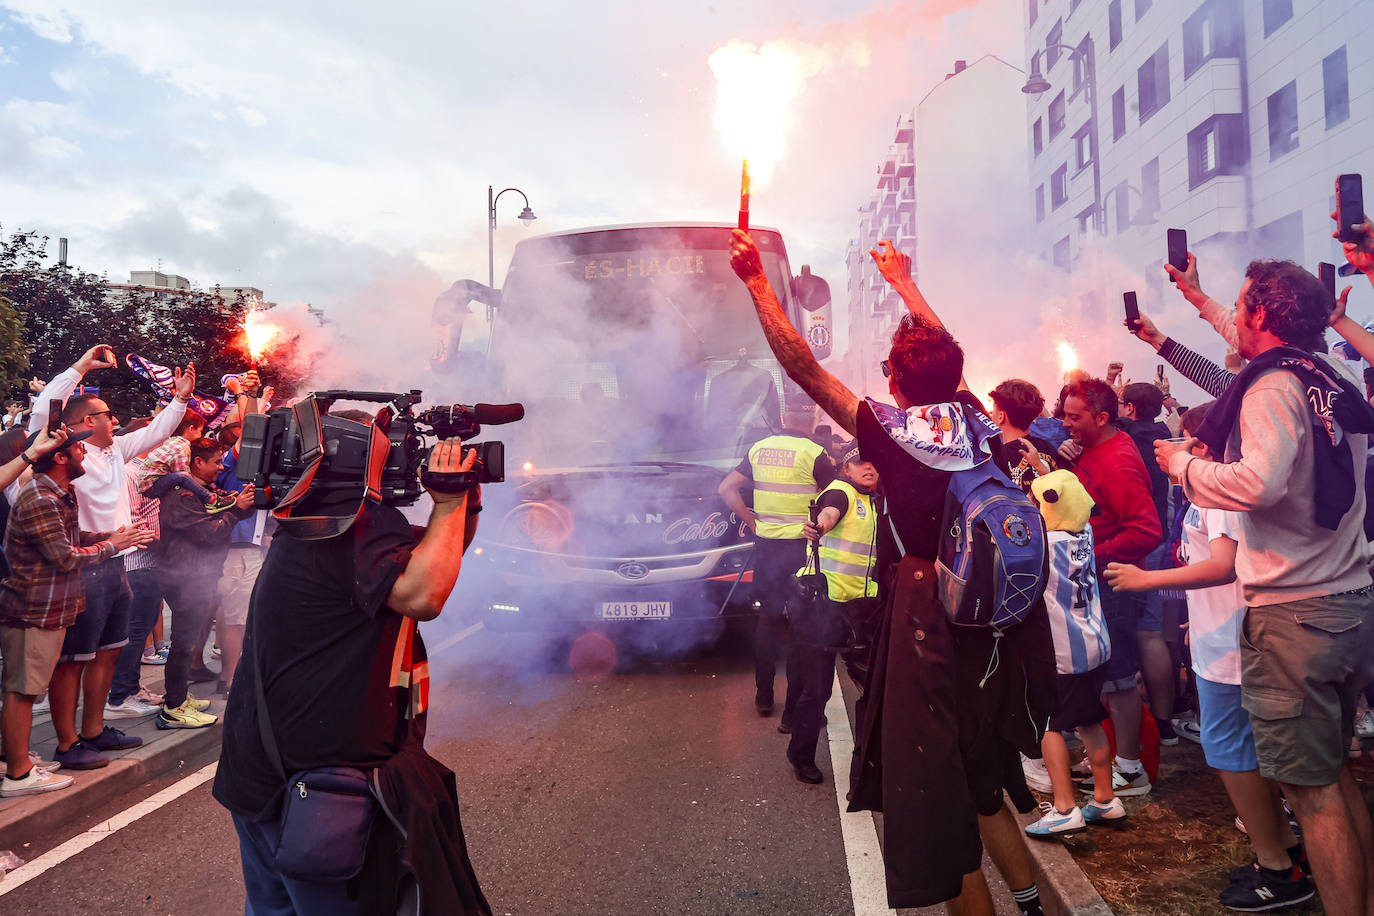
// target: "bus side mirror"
[[810, 291]]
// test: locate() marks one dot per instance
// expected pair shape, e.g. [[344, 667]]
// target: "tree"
[[61, 312], [14, 356]]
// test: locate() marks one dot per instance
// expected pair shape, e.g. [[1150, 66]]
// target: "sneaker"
[[1167, 736], [147, 696], [1054, 822], [1094, 812], [1081, 769], [196, 703], [131, 708], [183, 717], [35, 760], [81, 756], [1257, 890], [216, 652], [1364, 725], [219, 502], [1188, 730], [35, 781], [112, 739], [1123, 784], [1296, 854], [153, 657], [1037, 777], [42, 706]]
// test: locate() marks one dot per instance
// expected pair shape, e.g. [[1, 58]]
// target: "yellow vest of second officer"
[[784, 484], [848, 551]]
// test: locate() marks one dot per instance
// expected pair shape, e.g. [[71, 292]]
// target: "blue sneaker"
[[112, 739], [1054, 822], [1094, 812], [81, 756]]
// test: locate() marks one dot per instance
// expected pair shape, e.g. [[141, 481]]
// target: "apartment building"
[[1227, 118]]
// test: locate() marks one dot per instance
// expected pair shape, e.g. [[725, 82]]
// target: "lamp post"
[[1036, 85], [526, 214]]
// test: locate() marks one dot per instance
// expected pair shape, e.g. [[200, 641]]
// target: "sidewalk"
[[24, 820]]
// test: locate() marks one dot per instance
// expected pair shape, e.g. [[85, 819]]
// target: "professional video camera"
[[316, 471]]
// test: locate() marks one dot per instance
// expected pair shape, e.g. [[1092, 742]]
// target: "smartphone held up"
[[1132, 310], [1178, 249]]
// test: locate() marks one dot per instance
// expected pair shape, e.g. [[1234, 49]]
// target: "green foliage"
[[67, 312]]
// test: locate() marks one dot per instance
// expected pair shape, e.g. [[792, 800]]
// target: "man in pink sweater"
[[1292, 431]]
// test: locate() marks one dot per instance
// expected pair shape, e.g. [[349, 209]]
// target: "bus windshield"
[[637, 344]]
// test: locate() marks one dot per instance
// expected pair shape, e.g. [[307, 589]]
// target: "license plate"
[[636, 610]]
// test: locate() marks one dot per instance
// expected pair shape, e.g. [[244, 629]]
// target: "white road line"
[[867, 880], [27, 872], [456, 638]]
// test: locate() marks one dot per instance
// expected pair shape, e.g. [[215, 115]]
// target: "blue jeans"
[[272, 894], [144, 609], [166, 482]]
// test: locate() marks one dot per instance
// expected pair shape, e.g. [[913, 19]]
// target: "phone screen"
[[54, 415], [1349, 206], [1327, 274], [1178, 249], [1132, 310]]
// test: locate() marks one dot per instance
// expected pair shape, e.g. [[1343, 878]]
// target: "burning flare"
[[755, 91], [1068, 359], [258, 331]]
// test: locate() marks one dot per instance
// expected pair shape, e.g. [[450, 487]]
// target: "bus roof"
[[696, 224]]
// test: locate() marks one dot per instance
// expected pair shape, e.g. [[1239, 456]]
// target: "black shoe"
[[1256, 889], [784, 726], [809, 773], [763, 702]]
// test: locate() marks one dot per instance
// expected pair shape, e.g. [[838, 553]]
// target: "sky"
[[339, 153]]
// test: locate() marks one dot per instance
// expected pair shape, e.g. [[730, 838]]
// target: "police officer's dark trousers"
[[776, 562]]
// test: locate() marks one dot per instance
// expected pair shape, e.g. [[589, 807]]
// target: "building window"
[[1152, 81], [1336, 87], [1141, 8], [1217, 146], [1061, 253], [1040, 204], [1037, 139], [1059, 187], [1085, 222], [1083, 146], [1057, 116], [1080, 65], [1119, 113], [1034, 11], [1073, 5], [1113, 24], [1213, 31], [1283, 121], [1149, 186], [1055, 37], [1276, 13]]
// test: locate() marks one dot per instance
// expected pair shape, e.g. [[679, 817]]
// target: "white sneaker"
[[1364, 725], [36, 760], [41, 705], [147, 696], [131, 708], [37, 780], [1123, 784], [1094, 812], [1037, 777], [1054, 822]]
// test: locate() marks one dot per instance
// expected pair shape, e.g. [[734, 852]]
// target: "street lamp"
[[1036, 86], [526, 214]]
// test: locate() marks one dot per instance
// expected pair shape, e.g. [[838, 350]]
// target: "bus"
[[646, 377]]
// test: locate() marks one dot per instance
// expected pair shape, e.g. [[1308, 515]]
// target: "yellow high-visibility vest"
[[849, 550], [784, 484]]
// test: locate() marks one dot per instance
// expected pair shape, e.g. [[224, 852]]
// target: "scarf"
[[162, 381], [1338, 408], [946, 437]]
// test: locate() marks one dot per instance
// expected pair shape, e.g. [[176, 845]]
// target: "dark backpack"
[[992, 560]]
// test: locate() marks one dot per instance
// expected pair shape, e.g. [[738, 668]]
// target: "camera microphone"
[[496, 414]]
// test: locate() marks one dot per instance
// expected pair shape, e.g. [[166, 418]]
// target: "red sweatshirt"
[[1126, 526]]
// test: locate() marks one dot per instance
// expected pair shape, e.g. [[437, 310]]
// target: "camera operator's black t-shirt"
[[321, 635]]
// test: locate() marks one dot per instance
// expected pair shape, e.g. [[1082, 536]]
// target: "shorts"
[[1228, 742], [1303, 664], [241, 568], [1080, 700], [104, 624], [1152, 610], [1122, 611], [30, 656]]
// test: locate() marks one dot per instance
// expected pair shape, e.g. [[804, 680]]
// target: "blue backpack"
[[992, 562]]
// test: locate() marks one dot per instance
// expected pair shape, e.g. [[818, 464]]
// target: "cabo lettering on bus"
[[678, 264]]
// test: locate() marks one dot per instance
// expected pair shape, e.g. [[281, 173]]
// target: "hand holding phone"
[[1349, 207], [1132, 310], [1327, 274]]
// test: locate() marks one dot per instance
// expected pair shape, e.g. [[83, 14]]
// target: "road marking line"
[[456, 638], [867, 879], [53, 857]]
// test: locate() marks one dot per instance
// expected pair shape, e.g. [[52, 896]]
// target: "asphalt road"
[[655, 790]]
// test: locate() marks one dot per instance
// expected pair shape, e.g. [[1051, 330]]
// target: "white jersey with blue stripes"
[[1075, 609]]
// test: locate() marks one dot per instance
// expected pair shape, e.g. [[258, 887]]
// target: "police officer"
[[846, 527], [786, 471]]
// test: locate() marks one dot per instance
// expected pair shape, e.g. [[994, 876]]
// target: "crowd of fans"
[[1208, 580], [109, 528]]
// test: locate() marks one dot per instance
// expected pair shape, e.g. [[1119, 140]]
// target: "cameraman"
[[332, 638]]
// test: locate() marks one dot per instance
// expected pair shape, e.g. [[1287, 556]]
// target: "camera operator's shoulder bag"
[[326, 815], [991, 566]]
